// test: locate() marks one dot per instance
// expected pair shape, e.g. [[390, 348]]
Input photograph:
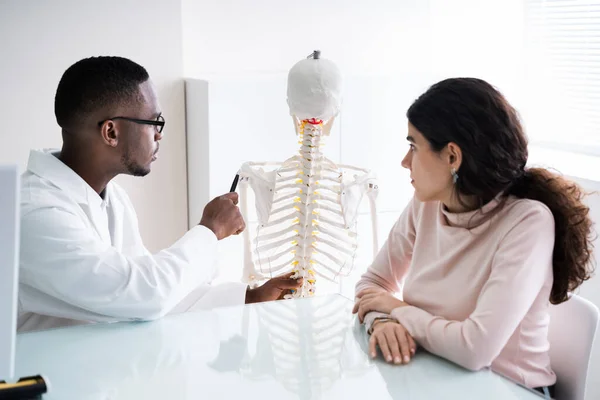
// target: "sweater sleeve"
[[520, 267], [391, 263]]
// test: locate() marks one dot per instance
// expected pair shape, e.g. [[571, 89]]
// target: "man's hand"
[[375, 300], [223, 217], [273, 289], [395, 343]]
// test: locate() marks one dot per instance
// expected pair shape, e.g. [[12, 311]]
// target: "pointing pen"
[[235, 183]]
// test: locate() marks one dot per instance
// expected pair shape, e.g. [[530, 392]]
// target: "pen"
[[235, 182]]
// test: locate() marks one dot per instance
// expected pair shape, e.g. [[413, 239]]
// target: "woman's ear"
[[454, 156]]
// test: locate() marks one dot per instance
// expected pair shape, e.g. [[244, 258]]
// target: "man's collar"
[[45, 164]]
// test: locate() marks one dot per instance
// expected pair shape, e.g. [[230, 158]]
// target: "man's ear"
[[454, 156], [110, 133]]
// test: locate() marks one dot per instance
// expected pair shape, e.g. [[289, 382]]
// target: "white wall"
[[482, 39], [40, 39], [228, 36]]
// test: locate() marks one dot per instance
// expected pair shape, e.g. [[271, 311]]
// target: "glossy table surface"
[[297, 349]]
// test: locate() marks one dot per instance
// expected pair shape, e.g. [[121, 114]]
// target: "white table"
[[303, 349]]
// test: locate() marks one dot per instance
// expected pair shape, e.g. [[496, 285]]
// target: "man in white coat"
[[82, 257]]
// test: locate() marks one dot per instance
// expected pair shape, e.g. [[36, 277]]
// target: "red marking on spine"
[[314, 121]]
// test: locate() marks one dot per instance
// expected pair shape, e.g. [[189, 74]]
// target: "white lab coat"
[[82, 258]]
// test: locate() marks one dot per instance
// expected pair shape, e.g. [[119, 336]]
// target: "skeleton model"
[[307, 206]]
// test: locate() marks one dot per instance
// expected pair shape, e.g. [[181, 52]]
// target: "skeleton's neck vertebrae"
[[311, 140]]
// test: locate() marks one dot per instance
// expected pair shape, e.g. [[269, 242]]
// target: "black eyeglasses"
[[159, 122]]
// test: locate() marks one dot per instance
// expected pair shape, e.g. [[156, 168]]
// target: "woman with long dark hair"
[[483, 248]]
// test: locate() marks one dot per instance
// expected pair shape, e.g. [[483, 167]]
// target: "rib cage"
[[306, 231]]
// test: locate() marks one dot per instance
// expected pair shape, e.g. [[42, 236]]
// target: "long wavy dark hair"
[[475, 116]]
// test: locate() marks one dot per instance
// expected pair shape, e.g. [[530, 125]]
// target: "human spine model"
[[306, 206]]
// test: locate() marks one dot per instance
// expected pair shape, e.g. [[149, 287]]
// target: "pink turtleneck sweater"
[[478, 287]]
